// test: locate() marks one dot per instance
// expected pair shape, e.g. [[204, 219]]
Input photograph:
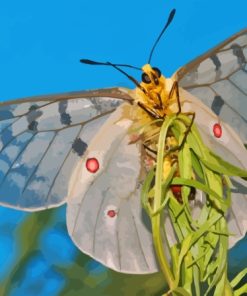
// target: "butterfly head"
[[152, 78], [152, 91]]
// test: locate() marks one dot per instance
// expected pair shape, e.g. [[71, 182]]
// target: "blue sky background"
[[41, 43]]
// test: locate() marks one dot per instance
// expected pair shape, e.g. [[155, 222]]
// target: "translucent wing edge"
[[31, 210], [180, 73], [115, 92]]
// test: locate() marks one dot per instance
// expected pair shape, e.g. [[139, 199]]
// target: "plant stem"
[[228, 289], [159, 248]]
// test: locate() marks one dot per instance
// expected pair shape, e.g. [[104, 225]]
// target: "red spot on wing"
[[217, 130], [111, 213], [92, 165]]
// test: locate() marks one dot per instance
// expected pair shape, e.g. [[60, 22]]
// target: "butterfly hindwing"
[[41, 141], [104, 215], [230, 148], [218, 78]]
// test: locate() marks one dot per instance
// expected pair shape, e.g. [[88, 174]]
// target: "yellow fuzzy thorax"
[[155, 102], [157, 99], [154, 96], [153, 91]]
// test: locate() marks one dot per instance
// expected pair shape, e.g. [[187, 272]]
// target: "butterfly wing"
[[117, 242], [41, 141], [104, 214], [218, 78], [230, 148], [105, 217]]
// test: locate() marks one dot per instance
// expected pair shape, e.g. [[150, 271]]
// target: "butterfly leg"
[[149, 149], [175, 92], [150, 111], [189, 127], [185, 133]]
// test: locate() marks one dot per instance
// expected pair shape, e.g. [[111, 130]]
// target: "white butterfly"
[[75, 148]]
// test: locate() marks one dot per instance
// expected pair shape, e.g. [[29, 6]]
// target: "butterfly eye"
[[157, 71], [156, 79], [145, 78]]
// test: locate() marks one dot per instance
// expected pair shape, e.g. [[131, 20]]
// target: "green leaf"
[[196, 279], [160, 158], [181, 291], [187, 274], [196, 165], [201, 252], [241, 291], [212, 241], [145, 191], [185, 246], [223, 167], [185, 169], [210, 159], [220, 287], [221, 257], [165, 188], [238, 277], [174, 255], [220, 204], [179, 219]]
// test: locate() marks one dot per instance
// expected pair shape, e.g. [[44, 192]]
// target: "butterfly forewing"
[[218, 78], [41, 141]]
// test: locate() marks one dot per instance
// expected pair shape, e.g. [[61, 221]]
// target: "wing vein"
[[228, 105], [13, 137], [96, 222], [98, 175], [9, 169], [237, 87], [118, 239], [35, 170], [187, 87], [79, 123], [236, 220], [138, 238], [26, 113], [57, 174]]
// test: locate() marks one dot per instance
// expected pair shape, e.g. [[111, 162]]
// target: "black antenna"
[[90, 62], [170, 18], [116, 66], [126, 74]]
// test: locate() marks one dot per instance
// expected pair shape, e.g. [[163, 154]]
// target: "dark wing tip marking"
[[33, 107], [216, 61], [33, 126], [217, 104], [65, 118], [79, 146], [238, 52], [32, 116]]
